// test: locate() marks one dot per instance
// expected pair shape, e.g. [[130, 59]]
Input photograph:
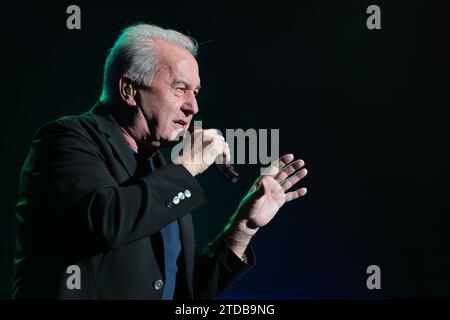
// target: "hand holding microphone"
[[207, 147]]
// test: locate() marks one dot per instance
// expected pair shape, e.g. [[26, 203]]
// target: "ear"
[[127, 91]]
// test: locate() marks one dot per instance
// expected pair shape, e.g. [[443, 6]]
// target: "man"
[[102, 216]]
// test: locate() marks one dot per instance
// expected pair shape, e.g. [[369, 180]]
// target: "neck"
[[129, 139], [137, 145], [135, 131]]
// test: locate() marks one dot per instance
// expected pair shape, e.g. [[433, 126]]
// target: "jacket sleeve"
[[218, 267], [83, 201]]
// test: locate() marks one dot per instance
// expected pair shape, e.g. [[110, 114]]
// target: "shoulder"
[[83, 125], [70, 134]]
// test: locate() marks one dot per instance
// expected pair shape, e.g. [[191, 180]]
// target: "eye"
[[179, 89]]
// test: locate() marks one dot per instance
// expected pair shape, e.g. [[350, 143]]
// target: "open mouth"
[[182, 124]]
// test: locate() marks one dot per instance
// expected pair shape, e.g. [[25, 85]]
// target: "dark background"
[[365, 109]]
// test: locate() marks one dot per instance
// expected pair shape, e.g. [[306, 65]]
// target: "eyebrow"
[[186, 84]]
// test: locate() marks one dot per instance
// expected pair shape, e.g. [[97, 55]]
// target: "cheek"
[[170, 112], [167, 129], [165, 111]]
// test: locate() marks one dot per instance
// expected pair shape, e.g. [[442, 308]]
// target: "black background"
[[366, 110]]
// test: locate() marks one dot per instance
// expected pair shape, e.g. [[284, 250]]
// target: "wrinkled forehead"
[[178, 61]]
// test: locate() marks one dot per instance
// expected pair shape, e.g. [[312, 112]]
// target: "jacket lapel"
[[108, 125]]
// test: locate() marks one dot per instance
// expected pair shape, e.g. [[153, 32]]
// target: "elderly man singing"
[[103, 216]]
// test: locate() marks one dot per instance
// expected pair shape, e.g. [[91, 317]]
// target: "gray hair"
[[134, 54]]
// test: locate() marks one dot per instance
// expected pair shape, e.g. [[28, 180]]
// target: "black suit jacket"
[[83, 202]]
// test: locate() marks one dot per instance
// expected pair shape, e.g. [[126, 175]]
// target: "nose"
[[190, 106]]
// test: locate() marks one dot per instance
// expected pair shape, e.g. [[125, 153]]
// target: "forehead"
[[177, 63]]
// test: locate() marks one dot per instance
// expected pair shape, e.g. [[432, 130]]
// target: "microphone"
[[226, 170]]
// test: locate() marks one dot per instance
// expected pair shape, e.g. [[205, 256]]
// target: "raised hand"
[[266, 196]]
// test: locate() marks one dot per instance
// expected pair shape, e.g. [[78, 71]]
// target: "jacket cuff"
[[232, 260]]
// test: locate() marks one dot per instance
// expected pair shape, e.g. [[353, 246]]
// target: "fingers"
[[284, 160], [220, 145], [277, 165], [286, 172], [287, 183], [210, 134], [288, 169], [212, 151], [221, 152], [295, 194], [206, 146], [215, 146]]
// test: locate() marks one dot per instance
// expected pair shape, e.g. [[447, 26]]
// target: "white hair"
[[134, 54]]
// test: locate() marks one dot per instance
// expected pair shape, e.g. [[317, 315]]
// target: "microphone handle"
[[227, 171]]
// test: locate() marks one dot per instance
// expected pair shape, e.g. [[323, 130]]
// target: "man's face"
[[170, 103]]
